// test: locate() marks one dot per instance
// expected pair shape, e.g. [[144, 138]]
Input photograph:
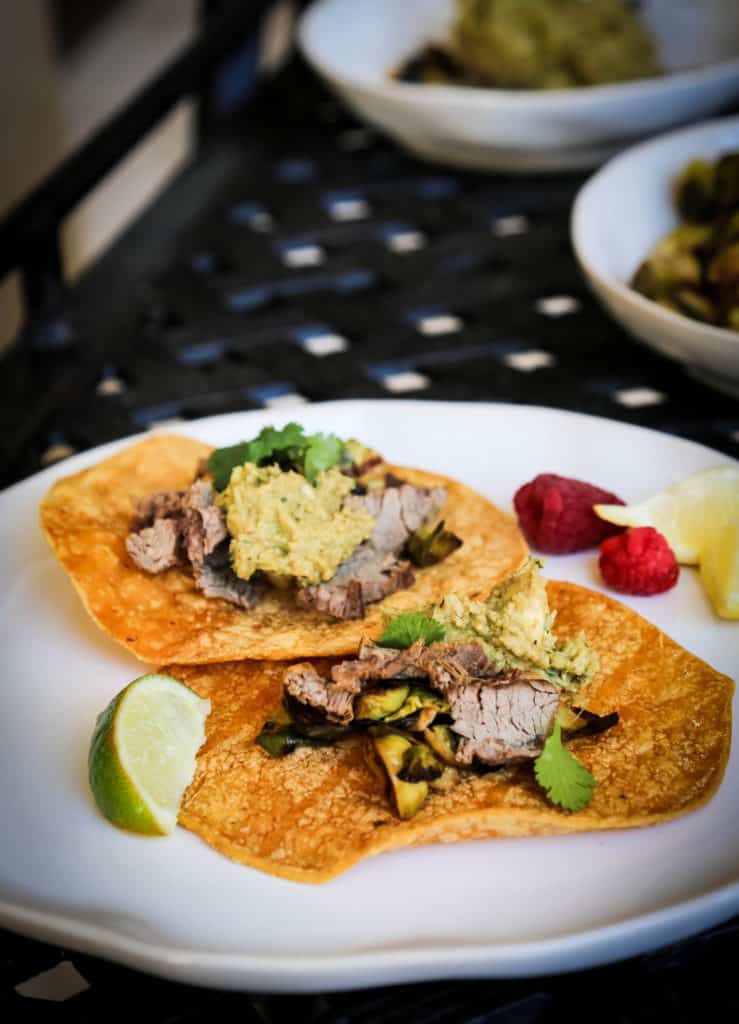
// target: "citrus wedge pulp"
[[719, 569], [686, 512], [142, 753]]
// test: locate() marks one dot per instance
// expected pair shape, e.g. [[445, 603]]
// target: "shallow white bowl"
[[618, 216], [355, 45]]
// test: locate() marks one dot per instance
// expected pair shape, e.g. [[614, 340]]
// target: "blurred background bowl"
[[357, 44], [618, 216]]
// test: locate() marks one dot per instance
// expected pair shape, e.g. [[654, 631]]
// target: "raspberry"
[[556, 513], [640, 561]]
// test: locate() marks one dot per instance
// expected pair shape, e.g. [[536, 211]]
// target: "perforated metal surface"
[[306, 259]]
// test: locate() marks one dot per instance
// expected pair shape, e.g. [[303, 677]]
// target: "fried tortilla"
[[312, 814], [164, 617]]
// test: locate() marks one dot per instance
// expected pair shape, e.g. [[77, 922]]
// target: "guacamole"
[[514, 628], [551, 44], [283, 525]]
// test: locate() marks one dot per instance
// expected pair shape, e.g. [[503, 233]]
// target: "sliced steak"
[[366, 576], [156, 548], [215, 577], [304, 684], [180, 527], [398, 512], [499, 719], [378, 663], [203, 523], [374, 570], [502, 721], [160, 505]]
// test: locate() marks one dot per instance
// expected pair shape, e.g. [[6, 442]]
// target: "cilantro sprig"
[[567, 782], [289, 447], [405, 629]]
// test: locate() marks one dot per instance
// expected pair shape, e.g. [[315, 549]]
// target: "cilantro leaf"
[[271, 442], [567, 782], [405, 629], [289, 447], [223, 460], [323, 452]]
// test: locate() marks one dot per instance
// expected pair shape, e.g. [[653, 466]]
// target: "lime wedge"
[[142, 753], [719, 569], [685, 512]]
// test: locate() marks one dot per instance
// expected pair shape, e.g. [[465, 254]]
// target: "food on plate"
[[288, 545], [694, 269], [719, 568], [556, 514], [142, 753], [699, 518], [639, 561], [474, 684], [538, 44], [496, 719]]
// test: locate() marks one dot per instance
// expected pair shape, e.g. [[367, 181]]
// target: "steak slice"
[[160, 505], [373, 570], [203, 523], [179, 527], [304, 684], [215, 577], [157, 547], [367, 575], [499, 719], [378, 663], [502, 721]]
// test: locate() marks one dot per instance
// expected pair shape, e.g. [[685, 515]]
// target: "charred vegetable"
[[279, 740], [379, 704], [694, 270], [310, 722], [419, 709], [429, 546], [577, 722], [420, 765], [392, 748], [443, 742]]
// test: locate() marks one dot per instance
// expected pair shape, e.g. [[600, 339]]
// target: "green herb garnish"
[[323, 452], [567, 782], [290, 448], [405, 629]]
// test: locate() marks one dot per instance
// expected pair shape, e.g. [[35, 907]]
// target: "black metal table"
[[301, 257]]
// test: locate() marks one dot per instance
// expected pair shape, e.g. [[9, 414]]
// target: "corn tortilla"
[[312, 814], [164, 617]]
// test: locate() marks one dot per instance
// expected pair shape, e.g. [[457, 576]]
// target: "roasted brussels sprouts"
[[694, 270]]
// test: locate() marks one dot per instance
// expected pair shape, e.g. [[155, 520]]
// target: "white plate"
[[357, 44], [610, 246], [176, 908]]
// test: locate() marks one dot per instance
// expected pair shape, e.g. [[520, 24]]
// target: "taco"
[[540, 711], [288, 545]]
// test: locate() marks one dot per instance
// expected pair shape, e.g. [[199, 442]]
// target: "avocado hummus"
[[514, 629], [283, 525]]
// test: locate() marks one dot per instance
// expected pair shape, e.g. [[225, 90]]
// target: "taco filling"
[[309, 513], [473, 686]]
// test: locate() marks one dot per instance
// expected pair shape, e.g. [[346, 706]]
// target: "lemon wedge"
[[719, 569], [686, 512]]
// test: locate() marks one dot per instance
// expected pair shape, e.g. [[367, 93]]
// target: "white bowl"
[[618, 216], [355, 45]]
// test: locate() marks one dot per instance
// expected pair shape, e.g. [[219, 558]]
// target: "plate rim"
[[576, 950], [570, 951]]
